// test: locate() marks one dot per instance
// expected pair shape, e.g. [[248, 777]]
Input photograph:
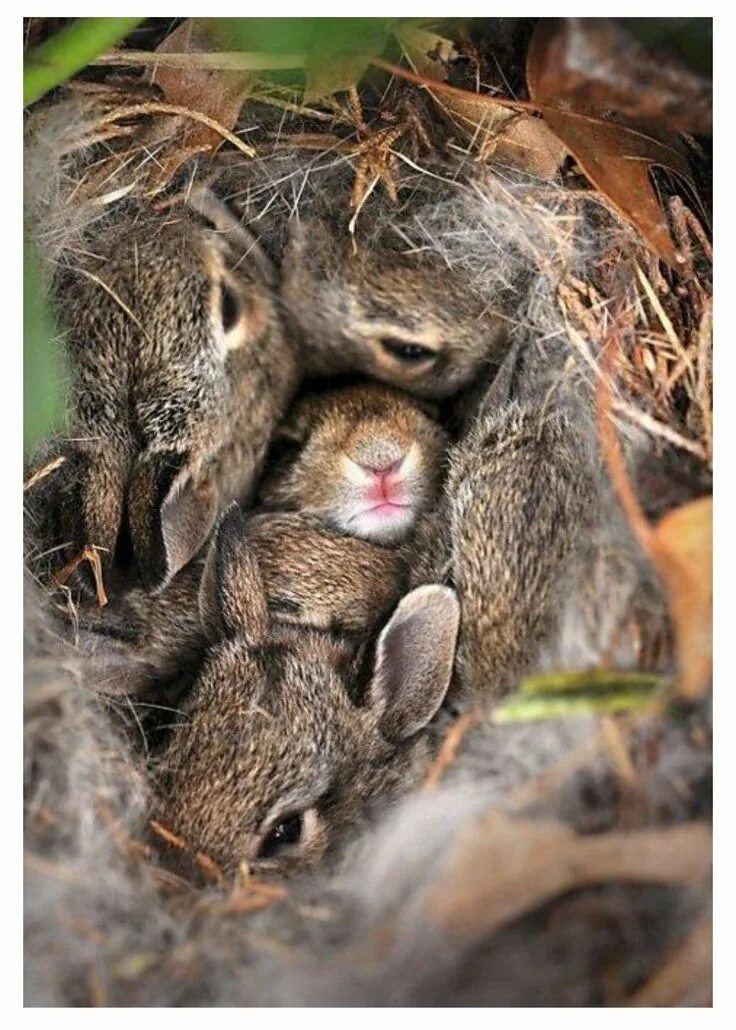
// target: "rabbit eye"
[[284, 834], [229, 307], [411, 353]]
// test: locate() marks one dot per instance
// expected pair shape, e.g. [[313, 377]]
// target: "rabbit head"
[[273, 759], [179, 371], [366, 459], [408, 323], [316, 576]]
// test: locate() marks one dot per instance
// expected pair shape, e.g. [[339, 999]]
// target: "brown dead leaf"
[[595, 61], [682, 548], [508, 135], [516, 138], [616, 154], [215, 93]]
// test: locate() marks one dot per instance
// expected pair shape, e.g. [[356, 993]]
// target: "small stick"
[[184, 112], [450, 746], [208, 865], [41, 473], [89, 553], [167, 835]]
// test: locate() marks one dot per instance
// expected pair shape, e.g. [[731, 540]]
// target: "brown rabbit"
[[512, 525], [531, 538], [411, 324], [312, 576], [368, 461], [273, 758], [314, 573], [179, 371]]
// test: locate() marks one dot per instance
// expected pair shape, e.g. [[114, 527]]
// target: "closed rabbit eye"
[[411, 353], [229, 307], [283, 834]]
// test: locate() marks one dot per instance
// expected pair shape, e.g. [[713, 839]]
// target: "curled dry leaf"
[[615, 153], [215, 93], [682, 549]]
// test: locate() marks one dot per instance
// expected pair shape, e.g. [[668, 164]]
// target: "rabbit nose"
[[381, 456], [382, 468]]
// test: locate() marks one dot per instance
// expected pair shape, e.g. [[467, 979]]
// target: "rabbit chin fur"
[[101, 927]]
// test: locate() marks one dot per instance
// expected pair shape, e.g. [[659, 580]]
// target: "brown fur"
[[312, 576], [507, 535], [337, 433], [315, 576], [345, 304], [271, 731], [179, 371]]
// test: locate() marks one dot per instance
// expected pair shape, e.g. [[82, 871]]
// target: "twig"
[[41, 473], [185, 112], [449, 749], [167, 835], [208, 865], [89, 553], [657, 428]]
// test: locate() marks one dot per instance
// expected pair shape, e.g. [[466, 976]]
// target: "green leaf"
[[65, 54], [589, 681], [42, 364], [594, 692], [334, 52]]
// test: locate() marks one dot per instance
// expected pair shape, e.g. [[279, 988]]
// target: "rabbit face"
[[273, 761], [369, 462], [411, 325]]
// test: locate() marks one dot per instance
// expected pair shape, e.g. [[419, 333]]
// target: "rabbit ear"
[[170, 517], [312, 248], [414, 658], [232, 601], [209, 205]]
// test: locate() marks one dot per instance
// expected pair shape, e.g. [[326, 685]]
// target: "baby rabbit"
[[316, 576], [273, 759], [368, 461], [518, 504], [180, 370], [312, 576], [410, 324]]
